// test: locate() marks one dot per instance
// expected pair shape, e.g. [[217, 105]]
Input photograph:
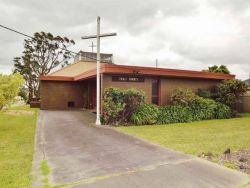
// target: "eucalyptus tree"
[[42, 53]]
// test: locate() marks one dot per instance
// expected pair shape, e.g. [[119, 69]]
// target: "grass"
[[16, 146], [45, 169], [213, 136]]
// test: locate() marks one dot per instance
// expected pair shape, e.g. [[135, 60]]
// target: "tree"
[[23, 93], [229, 91], [221, 69], [9, 88], [43, 53], [23, 66]]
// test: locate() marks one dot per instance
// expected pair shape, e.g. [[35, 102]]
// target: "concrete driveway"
[[83, 155]]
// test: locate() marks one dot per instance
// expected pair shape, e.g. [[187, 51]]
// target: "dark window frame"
[[155, 98]]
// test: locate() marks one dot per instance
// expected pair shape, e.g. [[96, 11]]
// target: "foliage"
[[113, 105], [42, 53], [222, 111], [203, 109], [229, 91], [174, 114], [120, 104], [218, 69], [9, 88], [205, 93], [128, 106], [23, 93], [194, 110], [146, 114], [182, 96]]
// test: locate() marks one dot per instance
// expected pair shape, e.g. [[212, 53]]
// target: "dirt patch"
[[19, 112], [240, 159]]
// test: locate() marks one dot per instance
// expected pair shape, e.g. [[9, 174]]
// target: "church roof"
[[85, 70]]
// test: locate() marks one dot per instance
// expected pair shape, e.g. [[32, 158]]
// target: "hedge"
[[129, 107], [200, 109]]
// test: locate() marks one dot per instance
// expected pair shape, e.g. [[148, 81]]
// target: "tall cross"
[[92, 46], [98, 36]]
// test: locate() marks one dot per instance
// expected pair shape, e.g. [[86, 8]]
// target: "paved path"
[[83, 155]]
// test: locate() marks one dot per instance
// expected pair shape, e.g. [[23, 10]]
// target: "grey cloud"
[[129, 14], [232, 5], [236, 53]]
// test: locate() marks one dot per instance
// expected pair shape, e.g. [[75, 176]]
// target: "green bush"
[[182, 96], [222, 111], [174, 114], [120, 104], [229, 91], [205, 93], [9, 88], [202, 109], [146, 114], [113, 105], [128, 106], [199, 109]]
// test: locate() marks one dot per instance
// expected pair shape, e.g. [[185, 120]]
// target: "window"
[[155, 91]]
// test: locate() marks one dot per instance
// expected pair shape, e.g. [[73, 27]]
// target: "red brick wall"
[[56, 94]]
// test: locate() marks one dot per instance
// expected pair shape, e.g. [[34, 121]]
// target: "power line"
[[18, 32], [15, 31]]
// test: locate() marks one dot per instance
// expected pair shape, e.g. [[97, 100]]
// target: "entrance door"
[[155, 91]]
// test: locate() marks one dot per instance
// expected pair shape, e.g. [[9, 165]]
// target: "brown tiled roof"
[[124, 69]]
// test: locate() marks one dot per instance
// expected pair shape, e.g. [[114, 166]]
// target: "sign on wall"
[[127, 78]]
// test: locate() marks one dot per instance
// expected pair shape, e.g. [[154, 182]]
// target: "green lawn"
[[194, 138], [17, 129]]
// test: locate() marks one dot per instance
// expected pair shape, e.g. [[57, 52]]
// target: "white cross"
[[98, 36]]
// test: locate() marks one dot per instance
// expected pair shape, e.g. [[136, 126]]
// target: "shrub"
[[222, 111], [199, 109], [182, 96], [9, 88], [229, 91], [202, 109], [175, 114], [204, 93], [146, 114], [120, 104], [133, 99], [113, 105]]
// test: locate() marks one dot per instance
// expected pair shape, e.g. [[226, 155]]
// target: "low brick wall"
[[34, 104]]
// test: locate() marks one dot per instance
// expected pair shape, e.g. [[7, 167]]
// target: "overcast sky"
[[183, 34]]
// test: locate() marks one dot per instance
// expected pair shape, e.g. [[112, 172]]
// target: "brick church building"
[[74, 86]]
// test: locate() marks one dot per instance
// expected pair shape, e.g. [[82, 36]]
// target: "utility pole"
[[98, 59], [156, 63], [92, 46]]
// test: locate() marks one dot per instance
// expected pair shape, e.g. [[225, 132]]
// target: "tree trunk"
[[30, 97]]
